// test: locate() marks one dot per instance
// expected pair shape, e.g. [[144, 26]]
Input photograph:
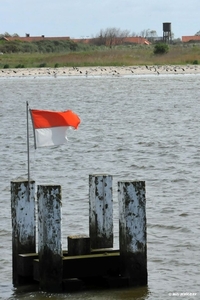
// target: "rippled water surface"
[[138, 128]]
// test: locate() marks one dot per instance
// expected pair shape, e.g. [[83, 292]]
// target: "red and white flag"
[[50, 126]]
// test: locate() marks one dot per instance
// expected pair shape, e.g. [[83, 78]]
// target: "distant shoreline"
[[100, 71]]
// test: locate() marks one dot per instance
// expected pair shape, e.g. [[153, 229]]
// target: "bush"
[[42, 65], [6, 66], [47, 46], [9, 47], [19, 66], [195, 62], [161, 48], [27, 47]]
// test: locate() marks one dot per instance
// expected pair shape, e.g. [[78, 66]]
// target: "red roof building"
[[190, 38]]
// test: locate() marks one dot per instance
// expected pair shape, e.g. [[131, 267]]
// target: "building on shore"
[[116, 41], [191, 38]]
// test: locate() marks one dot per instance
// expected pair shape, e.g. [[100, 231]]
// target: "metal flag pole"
[[28, 154]]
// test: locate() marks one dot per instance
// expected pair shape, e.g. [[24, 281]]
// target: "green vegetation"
[[68, 54], [161, 48], [43, 46], [20, 66], [6, 66]]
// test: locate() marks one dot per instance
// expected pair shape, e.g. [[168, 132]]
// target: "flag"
[[50, 126]]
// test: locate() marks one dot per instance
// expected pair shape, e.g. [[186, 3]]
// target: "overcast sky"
[[85, 18]]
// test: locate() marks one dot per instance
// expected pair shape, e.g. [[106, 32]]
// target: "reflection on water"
[[111, 294]]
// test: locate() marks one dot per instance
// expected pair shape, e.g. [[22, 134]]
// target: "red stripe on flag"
[[47, 118]]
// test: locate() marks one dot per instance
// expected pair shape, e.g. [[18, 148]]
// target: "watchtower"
[[167, 34]]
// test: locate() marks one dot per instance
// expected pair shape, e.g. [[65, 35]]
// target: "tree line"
[[108, 37]]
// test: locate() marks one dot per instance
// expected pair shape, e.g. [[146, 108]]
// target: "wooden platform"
[[55, 270], [100, 267]]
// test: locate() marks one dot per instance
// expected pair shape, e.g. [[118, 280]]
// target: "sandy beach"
[[100, 71]]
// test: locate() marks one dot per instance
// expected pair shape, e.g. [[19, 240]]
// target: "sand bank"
[[100, 71]]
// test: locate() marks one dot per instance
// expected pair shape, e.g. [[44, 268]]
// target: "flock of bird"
[[101, 71]]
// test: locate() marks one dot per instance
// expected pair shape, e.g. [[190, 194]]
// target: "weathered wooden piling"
[[100, 211], [90, 260], [23, 225], [132, 231], [49, 238]]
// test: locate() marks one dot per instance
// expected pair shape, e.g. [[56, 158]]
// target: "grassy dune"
[[119, 56]]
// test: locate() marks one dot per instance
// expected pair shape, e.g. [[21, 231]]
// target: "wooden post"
[[101, 211], [49, 238], [23, 224], [132, 232], [78, 245]]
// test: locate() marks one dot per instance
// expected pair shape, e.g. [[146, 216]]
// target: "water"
[[134, 128]]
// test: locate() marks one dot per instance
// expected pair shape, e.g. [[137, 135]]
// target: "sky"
[[85, 18]]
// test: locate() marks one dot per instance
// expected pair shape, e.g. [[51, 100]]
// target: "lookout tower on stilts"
[[167, 34]]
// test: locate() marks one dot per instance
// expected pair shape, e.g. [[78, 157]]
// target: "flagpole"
[[28, 154]]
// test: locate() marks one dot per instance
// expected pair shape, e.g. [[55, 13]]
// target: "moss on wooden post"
[[49, 238], [23, 224], [132, 231], [101, 211]]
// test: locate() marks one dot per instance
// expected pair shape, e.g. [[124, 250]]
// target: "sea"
[[140, 127]]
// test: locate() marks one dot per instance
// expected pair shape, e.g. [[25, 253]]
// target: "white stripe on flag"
[[51, 136]]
